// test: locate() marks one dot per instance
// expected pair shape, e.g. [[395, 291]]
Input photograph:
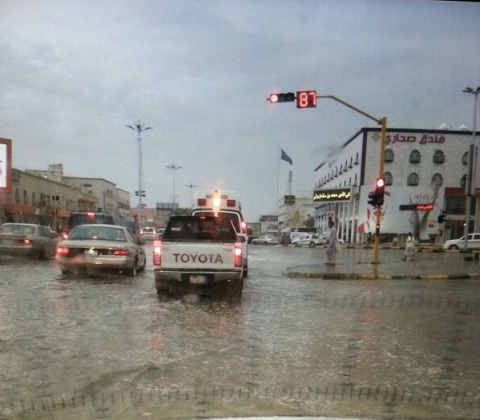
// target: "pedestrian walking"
[[333, 244], [408, 254]]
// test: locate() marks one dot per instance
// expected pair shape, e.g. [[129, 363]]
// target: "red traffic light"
[[275, 98], [380, 183]]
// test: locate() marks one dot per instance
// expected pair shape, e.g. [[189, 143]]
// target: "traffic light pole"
[[383, 123]]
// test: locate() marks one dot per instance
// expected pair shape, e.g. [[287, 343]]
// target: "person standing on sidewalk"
[[333, 244], [409, 248]]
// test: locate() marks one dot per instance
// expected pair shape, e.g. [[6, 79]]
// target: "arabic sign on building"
[[324, 196]]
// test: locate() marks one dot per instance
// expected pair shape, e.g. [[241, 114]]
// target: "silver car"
[[27, 240], [101, 247]]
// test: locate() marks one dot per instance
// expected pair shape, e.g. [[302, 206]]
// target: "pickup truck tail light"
[[237, 255], [157, 253], [244, 227]]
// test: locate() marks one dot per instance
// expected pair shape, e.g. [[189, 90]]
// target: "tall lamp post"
[[139, 128], [470, 188], [191, 186], [173, 167]]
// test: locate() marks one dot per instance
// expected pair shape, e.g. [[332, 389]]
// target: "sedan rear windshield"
[[97, 233]]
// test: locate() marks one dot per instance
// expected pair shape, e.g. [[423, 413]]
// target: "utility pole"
[[173, 167], [191, 186], [470, 187], [139, 128]]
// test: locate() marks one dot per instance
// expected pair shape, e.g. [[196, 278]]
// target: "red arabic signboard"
[[5, 165]]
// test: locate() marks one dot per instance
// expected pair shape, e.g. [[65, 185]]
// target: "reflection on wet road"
[[109, 347]]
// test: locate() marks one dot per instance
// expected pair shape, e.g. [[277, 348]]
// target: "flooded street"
[[109, 347]]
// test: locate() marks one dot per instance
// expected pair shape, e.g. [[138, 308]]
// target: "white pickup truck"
[[198, 251]]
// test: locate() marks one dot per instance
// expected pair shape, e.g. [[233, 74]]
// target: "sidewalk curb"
[[356, 276]]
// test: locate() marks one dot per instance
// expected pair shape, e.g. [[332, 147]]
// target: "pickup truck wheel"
[[312, 244], [161, 286]]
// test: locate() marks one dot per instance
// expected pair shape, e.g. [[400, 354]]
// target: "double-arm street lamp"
[[470, 187], [139, 128], [173, 167]]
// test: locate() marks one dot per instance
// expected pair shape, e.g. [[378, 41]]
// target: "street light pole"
[[470, 187], [173, 167], [191, 186], [139, 129]]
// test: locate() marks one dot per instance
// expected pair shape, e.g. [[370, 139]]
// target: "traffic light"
[[276, 98], [380, 190], [376, 197]]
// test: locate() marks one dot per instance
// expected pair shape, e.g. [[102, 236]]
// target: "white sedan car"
[[265, 240], [312, 240]]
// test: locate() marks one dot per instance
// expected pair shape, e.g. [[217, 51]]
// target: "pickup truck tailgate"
[[203, 256]]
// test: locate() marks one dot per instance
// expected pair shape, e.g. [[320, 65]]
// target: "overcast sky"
[[74, 73]]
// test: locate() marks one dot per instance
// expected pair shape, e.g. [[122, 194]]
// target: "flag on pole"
[[286, 158]]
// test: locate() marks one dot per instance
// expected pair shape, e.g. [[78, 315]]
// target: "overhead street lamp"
[[191, 186], [139, 128], [173, 167], [470, 187]]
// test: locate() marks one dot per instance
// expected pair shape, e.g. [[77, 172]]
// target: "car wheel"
[[142, 267], [132, 272], [41, 254], [312, 244], [453, 247]]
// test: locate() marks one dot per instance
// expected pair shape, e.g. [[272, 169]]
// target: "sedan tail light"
[[237, 255], [157, 253], [121, 252], [62, 251]]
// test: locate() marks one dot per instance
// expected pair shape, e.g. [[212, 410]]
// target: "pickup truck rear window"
[[192, 228]]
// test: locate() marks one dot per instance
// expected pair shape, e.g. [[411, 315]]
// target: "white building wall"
[[356, 217]]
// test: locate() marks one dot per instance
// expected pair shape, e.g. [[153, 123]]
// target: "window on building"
[[356, 159], [437, 180], [351, 162], [34, 199], [389, 155], [463, 181], [25, 197], [438, 157], [413, 179], [415, 156], [465, 158], [388, 178]]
